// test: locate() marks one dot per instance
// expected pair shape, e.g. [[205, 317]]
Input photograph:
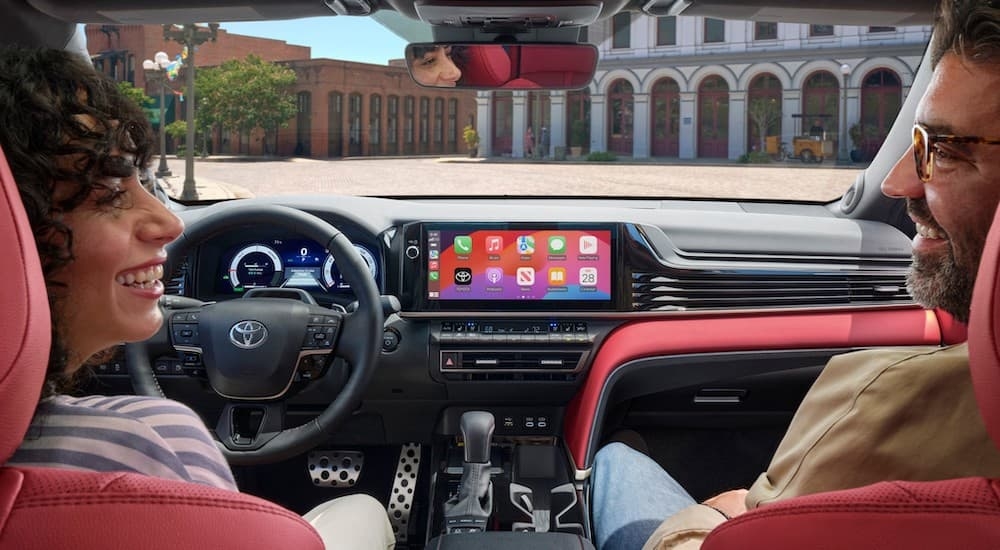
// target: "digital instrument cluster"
[[289, 263]]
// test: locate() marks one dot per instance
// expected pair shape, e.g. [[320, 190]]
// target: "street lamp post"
[[156, 71], [190, 35], [843, 157]]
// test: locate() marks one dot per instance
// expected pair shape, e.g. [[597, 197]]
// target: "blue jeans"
[[631, 496]]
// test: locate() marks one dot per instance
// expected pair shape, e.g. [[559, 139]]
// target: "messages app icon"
[[463, 245], [557, 244]]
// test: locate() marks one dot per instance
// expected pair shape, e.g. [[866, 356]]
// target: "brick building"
[[344, 108]]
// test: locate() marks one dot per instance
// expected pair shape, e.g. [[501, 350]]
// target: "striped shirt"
[[145, 435]]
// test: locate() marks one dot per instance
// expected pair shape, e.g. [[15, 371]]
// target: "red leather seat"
[[53, 509], [959, 513], [486, 65]]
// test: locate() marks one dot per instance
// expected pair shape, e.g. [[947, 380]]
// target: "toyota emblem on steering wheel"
[[248, 334]]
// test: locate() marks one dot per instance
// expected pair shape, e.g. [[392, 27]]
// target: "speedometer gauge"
[[332, 277], [255, 266]]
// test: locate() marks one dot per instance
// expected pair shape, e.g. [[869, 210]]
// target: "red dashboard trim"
[[749, 332]]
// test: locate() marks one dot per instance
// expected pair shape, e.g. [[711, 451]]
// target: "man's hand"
[[731, 503]]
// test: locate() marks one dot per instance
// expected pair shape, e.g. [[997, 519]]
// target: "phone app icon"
[[494, 275], [557, 276], [557, 244], [494, 244], [463, 276], [588, 276], [526, 244], [433, 275], [463, 245], [526, 276], [588, 244]]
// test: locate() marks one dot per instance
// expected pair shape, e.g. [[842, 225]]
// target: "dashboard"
[[239, 261]]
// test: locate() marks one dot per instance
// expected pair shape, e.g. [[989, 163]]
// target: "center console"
[[504, 492]]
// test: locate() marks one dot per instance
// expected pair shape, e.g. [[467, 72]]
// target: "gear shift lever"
[[469, 510], [477, 432]]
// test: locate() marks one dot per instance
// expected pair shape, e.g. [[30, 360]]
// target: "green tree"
[[135, 94], [243, 94], [765, 114]]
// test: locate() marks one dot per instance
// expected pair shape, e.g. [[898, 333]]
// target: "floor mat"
[[709, 461]]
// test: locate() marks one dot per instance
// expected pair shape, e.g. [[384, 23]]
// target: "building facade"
[[344, 108], [696, 87]]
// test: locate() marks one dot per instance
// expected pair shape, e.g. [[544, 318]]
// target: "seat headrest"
[[25, 331], [984, 333], [486, 65]]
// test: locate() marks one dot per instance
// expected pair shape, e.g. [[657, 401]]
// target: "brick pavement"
[[218, 178]]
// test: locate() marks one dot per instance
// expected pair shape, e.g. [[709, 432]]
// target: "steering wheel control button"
[[185, 334], [335, 468]]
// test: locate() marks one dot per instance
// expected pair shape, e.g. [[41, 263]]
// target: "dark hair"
[[459, 54], [49, 147], [967, 28]]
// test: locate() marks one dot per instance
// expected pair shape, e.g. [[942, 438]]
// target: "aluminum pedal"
[[404, 486], [339, 469]]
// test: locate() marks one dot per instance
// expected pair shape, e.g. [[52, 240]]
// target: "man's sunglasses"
[[923, 148]]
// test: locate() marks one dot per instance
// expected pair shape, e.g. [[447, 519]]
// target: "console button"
[[450, 360], [390, 340]]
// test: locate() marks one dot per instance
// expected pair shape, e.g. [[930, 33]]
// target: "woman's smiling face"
[[436, 68], [113, 283]]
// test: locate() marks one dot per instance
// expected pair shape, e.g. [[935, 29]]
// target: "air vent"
[[707, 290], [177, 284], [520, 360]]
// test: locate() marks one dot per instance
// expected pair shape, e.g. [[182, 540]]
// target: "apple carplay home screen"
[[519, 264]]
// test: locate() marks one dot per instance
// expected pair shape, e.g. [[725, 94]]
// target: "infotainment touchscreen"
[[519, 264]]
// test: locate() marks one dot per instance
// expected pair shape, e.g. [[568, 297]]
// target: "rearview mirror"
[[502, 66]]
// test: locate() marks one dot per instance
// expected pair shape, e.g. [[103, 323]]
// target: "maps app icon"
[[526, 244]]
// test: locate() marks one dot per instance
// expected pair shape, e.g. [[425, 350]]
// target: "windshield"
[[678, 107]]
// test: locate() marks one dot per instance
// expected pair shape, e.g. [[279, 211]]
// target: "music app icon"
[[494, 244]]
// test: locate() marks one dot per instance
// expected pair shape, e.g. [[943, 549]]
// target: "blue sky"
[[350, 38]]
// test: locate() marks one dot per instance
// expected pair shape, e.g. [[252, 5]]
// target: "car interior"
[[701, 325]]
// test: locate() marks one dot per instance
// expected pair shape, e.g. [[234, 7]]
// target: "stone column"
[[737, 124], [557, 116], [598, 123], [689, 126], [519, 125], [484, 123], [640, 126]]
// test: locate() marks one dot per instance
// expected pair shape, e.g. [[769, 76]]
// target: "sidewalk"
[[207, 189]]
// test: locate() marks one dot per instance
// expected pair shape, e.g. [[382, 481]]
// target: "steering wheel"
[[253, 348]]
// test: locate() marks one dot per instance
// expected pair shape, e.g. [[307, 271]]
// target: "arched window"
[[503, 123], [713, 118], [438, 123], [881, 99], [354, 124], [335, 125], [408, 124], [425, 123], [763, 111], [392, 125], [578, 119], [375, 125], [303, 125], [621, 109], [666, 117], [452, 132]]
